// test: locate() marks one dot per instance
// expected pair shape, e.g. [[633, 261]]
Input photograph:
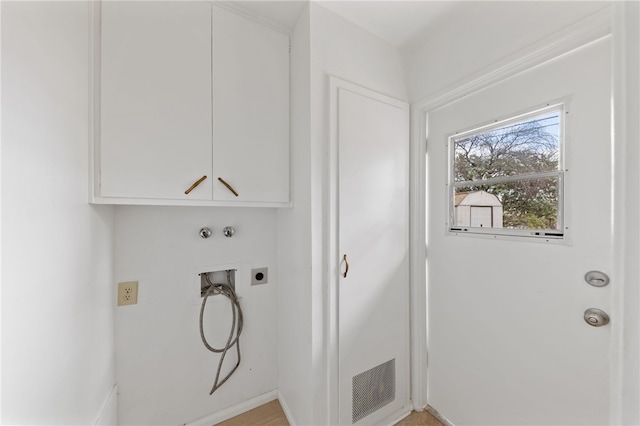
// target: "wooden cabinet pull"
[[196, 183], [229, 187]]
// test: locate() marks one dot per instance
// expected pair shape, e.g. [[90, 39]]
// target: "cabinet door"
[[155, 100], [250, 109]]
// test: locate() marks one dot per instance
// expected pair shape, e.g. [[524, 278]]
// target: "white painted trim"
[[625, 362], [237, 8], [442, 419], [1, 174], [235, 410], [394, 418], [202, 203], [332, 254], [286, 409], [577, 35], [95, 8], [418, 256], [108, 415]]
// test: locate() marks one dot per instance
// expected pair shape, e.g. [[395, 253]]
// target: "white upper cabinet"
[[188, 90]]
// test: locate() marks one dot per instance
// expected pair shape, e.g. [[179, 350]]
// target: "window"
[[506, 178]]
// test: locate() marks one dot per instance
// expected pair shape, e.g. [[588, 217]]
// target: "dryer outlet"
[[259, 276]]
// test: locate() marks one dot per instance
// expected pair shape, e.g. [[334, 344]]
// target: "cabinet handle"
[[228, 186], [346, 264], [196, 183]]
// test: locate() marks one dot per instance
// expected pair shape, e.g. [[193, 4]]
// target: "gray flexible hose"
[[236, 326]]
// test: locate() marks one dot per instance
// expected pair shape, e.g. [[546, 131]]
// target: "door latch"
[[596, 278]]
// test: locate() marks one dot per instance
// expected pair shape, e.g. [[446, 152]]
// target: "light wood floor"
[[271, 414]]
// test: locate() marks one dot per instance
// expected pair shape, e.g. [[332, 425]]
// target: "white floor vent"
[[373, 389]]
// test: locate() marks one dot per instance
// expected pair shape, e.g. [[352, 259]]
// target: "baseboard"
[[398, 419], [108, 415], [442, 419], [287, 411], [395, 417], [234, 410]]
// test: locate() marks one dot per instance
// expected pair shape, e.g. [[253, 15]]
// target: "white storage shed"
[[478, 209]]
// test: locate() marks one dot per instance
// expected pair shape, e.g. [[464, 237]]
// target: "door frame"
[[619, 21]]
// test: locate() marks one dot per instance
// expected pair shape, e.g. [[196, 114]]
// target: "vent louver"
[[373, 389]]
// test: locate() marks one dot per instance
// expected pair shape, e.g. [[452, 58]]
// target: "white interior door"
[[507, 341], [373, 295]]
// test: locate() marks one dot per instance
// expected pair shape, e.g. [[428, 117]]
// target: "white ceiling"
[[407, 23], [399, 22], [284, 14]]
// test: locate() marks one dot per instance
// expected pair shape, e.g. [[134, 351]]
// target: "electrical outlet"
[[128, 293], [259, 276]]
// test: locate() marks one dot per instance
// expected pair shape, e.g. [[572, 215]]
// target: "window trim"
[[542, 235]]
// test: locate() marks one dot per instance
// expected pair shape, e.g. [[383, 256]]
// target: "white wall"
[[163, 370], [323, 44], [294, 244], [342, 49], [57, 306], [480, 34]]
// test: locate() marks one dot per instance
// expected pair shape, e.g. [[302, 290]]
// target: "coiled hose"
[[236, 326]]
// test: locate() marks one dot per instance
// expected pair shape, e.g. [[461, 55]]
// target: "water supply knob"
[[596, 317], [228, 231], [205, 233]]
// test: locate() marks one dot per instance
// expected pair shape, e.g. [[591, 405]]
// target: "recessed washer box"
[[217, 273]]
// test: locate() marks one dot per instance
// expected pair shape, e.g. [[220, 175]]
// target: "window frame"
[[543, 235]]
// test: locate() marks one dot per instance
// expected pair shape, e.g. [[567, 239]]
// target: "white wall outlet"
[[259, 276], [128, 293]]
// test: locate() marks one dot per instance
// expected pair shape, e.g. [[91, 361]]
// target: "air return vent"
[[373, 389]]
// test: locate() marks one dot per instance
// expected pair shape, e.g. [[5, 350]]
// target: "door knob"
[[596, 317]]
